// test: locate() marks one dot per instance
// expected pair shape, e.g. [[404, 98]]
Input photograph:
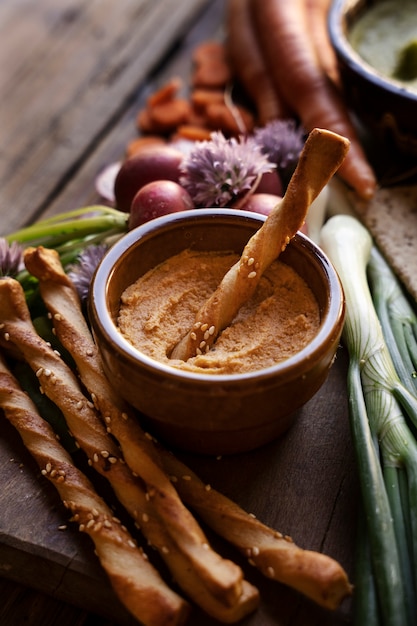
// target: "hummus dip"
[[385, 36], [160, 307]]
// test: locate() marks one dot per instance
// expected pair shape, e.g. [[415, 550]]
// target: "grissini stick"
[[314, 574], [323, 153], [135, 581], [61, 385], [222, 578]]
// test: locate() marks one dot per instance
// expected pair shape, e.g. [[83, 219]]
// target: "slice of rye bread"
[[391, 217]]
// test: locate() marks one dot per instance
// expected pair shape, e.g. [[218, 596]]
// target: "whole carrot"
[[247, 62], [288, 40]]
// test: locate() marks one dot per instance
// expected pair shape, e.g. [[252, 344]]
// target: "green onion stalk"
[[383, 410], [69, 233], [72, 231]]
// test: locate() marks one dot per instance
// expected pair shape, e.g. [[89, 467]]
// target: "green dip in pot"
[[385, 36]]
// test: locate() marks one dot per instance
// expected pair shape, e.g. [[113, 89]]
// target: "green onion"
[[381, 411], [72, 226]]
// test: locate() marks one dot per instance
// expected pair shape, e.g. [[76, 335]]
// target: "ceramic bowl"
[[383, 105], [205, 413]]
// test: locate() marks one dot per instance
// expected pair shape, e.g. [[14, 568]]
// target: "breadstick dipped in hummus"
[[323, 153]]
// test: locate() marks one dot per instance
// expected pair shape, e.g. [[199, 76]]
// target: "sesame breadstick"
[[135, 581], [62, 302], [314, 574], [216, 583], [322, 154]]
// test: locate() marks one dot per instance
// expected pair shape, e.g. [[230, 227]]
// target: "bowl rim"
[[291, 366], [344, 50]]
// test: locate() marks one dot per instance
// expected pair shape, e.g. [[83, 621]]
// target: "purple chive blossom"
[[282, 142], [219, 170], [11, 258], [81, 273]]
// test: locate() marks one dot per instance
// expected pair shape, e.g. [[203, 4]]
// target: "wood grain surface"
[[74, 75]]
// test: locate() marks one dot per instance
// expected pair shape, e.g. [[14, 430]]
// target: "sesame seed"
[[112, 460], [90, 523], [202, 344], [197, 325], [95, 512], [204, 327], [95, 457], [186, 477], [62, 527], [90, 462], [81, 527], [107, 419], [255, 551], [198, 351], [145, 517], [48, 467], [94, 397], [193, 335], [251, 274], [6, 336], [252, 515], [207, 487], [251, 562], [90, 404], [108, 430], [148, 436], [105, 454], [47, 372], [60, 479], [174, 479], [206, 335], [58, 317], [270, 572], [125, 416], [44, 472], [98, 526], [164, 550], [107, 524], [251, 261], [211, 330], [131, 543], [89, 352], [39, 372], [205, 546], [79, 404]]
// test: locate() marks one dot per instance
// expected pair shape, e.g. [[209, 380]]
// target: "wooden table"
[[74, 75]]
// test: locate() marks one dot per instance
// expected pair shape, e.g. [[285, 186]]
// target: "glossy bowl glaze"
[[204, 413], [384, 106]]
